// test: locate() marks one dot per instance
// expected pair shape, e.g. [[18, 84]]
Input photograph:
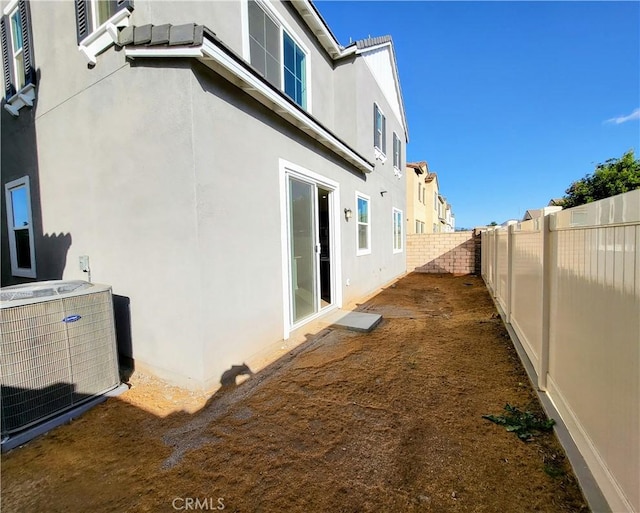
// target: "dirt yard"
[[389, 421]]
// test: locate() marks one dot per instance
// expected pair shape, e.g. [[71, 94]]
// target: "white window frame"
[[276, 17], [103, 36], [380, 151], [15, 270], [396, 212], [13, 52], [286, 170], [283, 71], [397, 154], [367, 250]]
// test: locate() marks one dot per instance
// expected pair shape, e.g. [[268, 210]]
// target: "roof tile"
[[372, 41]]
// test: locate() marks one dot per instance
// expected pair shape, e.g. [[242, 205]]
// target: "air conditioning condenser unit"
[[57, 350]]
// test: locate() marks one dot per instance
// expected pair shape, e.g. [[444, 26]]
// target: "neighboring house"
[[427, 210], [441, 207], [540, 212], [445, 218], [449, 219], [417, 201], [229, 168]]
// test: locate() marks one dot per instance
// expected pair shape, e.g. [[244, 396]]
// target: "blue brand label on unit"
[[71, 318]]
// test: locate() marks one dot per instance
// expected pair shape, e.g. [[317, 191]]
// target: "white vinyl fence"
[[569, 285]]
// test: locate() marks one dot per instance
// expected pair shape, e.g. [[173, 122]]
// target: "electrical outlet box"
[[84, 263]]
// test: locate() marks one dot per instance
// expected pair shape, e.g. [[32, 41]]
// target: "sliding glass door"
[[310, 251], [302, 236]]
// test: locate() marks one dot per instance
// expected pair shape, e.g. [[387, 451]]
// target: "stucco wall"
[[418, 205], [453, 253], [124, 191], [239, 219]]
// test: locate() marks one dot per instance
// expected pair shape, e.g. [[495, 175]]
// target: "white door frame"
[[289, 169]]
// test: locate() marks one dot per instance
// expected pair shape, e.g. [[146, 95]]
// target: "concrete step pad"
[[354, 321]]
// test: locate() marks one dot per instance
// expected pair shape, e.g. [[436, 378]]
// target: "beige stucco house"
[[416, 197], [427, 209]]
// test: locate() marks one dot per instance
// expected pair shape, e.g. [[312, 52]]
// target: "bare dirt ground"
[[389, 421]]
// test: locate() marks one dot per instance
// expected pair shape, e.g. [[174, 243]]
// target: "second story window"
[[276, 54], [96, 22], [379, 132], [294, 71], [91, 15], [397, 153], [17, 49], [17, 60], [102, 11], [264, 36]]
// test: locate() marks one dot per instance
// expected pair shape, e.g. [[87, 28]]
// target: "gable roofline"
[[370, 44], [532, 213], [320, 28], [431, 176], [419, 167], [328, 41]]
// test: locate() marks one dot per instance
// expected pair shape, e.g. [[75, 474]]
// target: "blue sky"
[[509, 102]]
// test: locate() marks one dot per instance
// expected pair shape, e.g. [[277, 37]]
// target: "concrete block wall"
[[450, 253]]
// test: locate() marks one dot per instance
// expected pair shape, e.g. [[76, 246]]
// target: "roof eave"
[[319, 27], [216, 56]]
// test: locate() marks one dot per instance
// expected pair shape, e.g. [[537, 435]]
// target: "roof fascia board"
[[321, 30], [372, 48], [319, 27], [349, 50], [164, 52]]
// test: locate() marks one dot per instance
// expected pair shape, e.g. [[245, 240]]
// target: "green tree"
[[612, 177]]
